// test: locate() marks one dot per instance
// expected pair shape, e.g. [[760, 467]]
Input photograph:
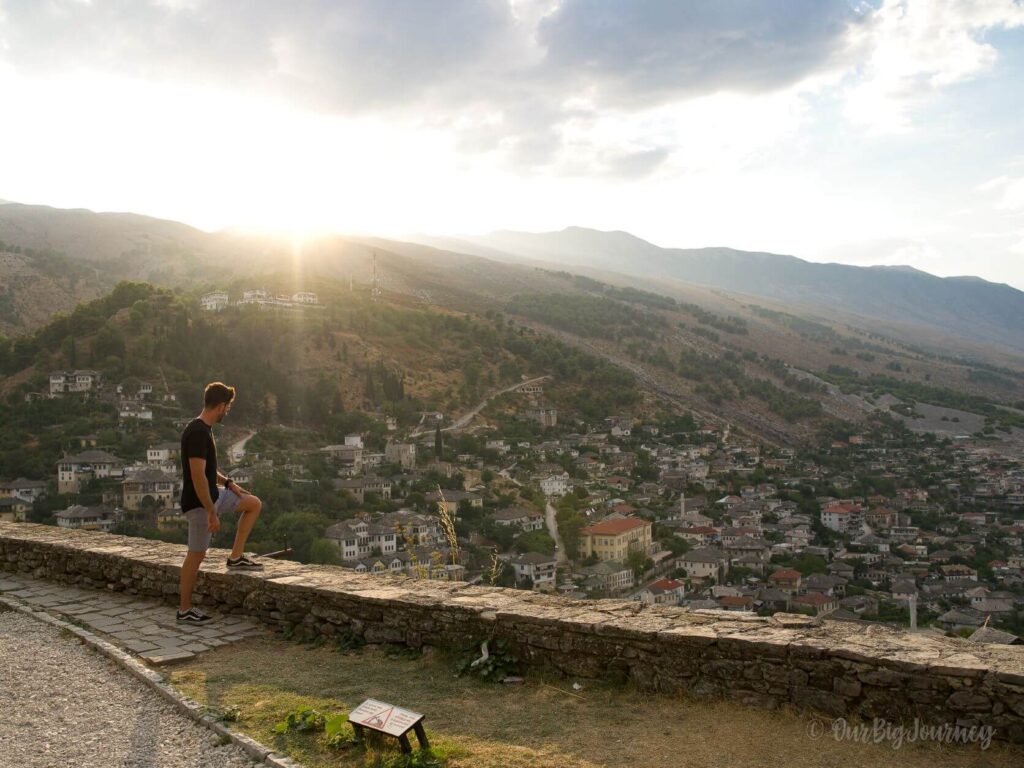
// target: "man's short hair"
[[217, 393]]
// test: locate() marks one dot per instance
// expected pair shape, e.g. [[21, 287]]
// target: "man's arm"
[[197, 468], [235, 487]]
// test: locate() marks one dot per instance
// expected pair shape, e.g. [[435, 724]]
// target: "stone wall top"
[[771, 636]]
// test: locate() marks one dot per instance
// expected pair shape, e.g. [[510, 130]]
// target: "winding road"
[[552, 522], [237, 450], [468, 416]]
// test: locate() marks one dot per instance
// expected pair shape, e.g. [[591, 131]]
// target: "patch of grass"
[[476, 724]]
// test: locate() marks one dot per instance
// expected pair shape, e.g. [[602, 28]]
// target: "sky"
[[883, 132]]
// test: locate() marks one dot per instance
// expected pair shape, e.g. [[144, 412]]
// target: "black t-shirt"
[[197, 443]]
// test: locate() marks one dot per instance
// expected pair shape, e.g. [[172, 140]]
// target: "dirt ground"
[[544, 723]]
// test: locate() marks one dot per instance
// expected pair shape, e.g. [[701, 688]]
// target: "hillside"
[[890, 299], [768, 367], [50, 259], [332, 370]]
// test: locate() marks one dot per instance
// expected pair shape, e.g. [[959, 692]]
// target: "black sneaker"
[[193, 616], [244, 563]]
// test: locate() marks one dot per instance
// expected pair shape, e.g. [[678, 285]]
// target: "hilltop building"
[[214, 301], [613, 540], [74, 382]]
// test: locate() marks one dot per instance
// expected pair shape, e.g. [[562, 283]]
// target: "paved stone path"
[[62, 705], [141, 626]]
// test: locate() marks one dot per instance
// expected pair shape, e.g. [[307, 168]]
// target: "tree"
[[324, 551], [300, 530], [438, 442], [638, 561], [536, 541]]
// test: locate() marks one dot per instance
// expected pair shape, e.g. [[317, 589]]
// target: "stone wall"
[[835, 668]]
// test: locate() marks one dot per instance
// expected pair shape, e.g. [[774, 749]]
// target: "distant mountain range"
[[65, 256], [968, 307]]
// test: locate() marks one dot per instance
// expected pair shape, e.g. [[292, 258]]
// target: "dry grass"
[[484, 725]]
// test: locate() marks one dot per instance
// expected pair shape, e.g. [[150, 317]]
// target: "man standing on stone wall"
[[203, 502]]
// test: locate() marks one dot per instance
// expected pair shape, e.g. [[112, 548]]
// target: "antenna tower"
[[375, 289]]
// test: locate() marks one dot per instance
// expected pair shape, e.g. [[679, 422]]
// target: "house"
[[774, 599], [555, 485], [531, 389], [787, 580], [958, 572], [449, 500], [744, 603], [662, 592], [214, 301], [825, 584], [163, 453], [527, 519], [148, 488], [434, 563], [613, 540], [74, 382], [170, 518], [345, 455], [98, 518], [73, 470], [816, 601], [546, 416], [360, 486], [242, 475], [23, 488], [608, 577], [988, 634], [859, 604], [305, 297], [704, 563], [844, 518], [701, 535], [412, 527], [403, 454], [748, 546], [13, 509], [904, 589], [132, 410], [961, 618], [396, 563], [539, 569], [618, 483], [422, 563], [359, 538]]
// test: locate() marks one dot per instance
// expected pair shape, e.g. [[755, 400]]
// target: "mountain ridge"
[[971, 307]]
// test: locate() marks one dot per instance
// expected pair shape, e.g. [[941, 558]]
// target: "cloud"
[[645, 50], [1007, 192], [912, 48], [536, 82], [348, 57]]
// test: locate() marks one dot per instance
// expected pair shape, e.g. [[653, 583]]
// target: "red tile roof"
[[736, 600], [666, 584], [813, 598], [615, 527]]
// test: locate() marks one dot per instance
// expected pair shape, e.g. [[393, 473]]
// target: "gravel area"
[[61, 704]]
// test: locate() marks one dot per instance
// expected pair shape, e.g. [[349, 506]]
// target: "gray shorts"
[[198, 528]]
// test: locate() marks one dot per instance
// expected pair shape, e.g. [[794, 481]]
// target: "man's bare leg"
[[249, 509], [189, 573]]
